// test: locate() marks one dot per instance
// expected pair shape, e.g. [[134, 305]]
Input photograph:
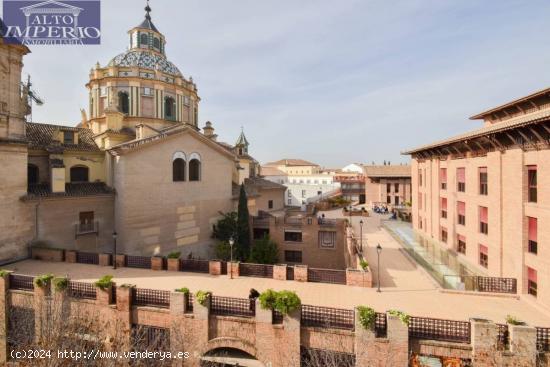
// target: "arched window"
[[32, 174], [144, 39], [195, 167], [178, 167], [123, 102], [156, 43], [79, 174], [169, 108]]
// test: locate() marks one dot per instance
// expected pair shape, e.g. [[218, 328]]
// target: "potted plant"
[[173, 261], [364, 264], [43, 281], [183, 290], [283, 301]]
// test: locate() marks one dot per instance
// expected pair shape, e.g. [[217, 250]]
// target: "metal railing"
[[496, 285], [142, 262], [189, 304], [381, 325], [256, 270], [151, 297], [81, 290], [439, 329], [326, 276], [193, 265], [295, 221], [87, 258], [543, 339], [327, 222], [21, 282], [260, 221], [229, 306], [85, 228], [328, 317]]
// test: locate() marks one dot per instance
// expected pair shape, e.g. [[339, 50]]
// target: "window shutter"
[[532, 229]]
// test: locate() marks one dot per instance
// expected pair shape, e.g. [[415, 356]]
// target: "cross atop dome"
[[147, 23]]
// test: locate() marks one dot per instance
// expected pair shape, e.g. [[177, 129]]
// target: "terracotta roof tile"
[[291, 162], [71, 190], [40, 136], [388, 171]]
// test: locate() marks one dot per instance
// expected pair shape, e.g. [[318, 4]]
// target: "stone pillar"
[[300, 273], [177, 309], [41, 299], [365, 350], [523, 344], [104, 297], [279, 271], [484, 342], [398, 337], [233, 267], [199, 337], [70, 256], [358, 278], [173, 264], [124, 313], [120, 260], [291, 327], [4, 316], [104, 259], [157, 263], [215, 267]]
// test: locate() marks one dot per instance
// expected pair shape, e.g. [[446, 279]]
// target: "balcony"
[[294, 221], [86, 228], [260, 222]]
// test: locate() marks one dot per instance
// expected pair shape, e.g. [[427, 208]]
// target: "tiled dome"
[[145, 60]]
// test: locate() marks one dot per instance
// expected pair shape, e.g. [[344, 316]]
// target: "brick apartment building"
[[389, 184], [484, 194]]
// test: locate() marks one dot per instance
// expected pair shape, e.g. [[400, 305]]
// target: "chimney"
[[208, 131], [57, 175]]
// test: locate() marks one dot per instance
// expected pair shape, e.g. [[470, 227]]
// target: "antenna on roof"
[[31, 95], [148, 10]]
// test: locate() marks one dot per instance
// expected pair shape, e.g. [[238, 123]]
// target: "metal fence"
[[189, 304], [81, 290], [439, 329], [323, 357], [150, 338], [277, 317], [496, 285], [21, 282], [543, 339], [151, 297], [193, 265], [326, 276], [381, 325], [256, 270], [335, 318], [503, 337], [290, 273], [229, 306], [142, 262], [87, 258]]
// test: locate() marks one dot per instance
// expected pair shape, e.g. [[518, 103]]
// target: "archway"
[[229, 357]]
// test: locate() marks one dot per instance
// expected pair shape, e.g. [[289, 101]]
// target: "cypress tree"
[[243, 227]]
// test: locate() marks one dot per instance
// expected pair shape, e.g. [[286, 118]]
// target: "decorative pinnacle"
[[148, 10]]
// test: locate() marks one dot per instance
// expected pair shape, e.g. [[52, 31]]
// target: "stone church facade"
[[137, 165]]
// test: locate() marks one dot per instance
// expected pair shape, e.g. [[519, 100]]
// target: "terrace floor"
[[421, 299]]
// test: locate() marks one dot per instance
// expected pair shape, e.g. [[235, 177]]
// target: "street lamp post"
[[350, 222], [378, 251], [114, 249], [231, 243], [361, 234]]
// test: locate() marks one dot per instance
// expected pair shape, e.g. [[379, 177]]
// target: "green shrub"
[[42, 281], [267, 299], [264, 251], [364, 264], [174, 255], [104, 282], [367, 316], [60, 284], [402, 316], [183, 290], [287, 301], [4, 272], [202, 297], [512, 320]]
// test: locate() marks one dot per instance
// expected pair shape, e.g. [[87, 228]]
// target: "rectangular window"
[[68, 137], [289, 193], [293, 256], [532, 183], [86, 220], [327, 239], [483, 220], [396, 201], [461, 210], [461, 179], [419, 177], [419, 201], [532, 281], [532, 235], [103, 91], [289, 201], [292, 236], [483, 256], [270, 204], [388, 188], [443, 207], [443, 234], [388, 199], [461, 248], [443, 178], [396, 188], [147, 91], [483, 184]]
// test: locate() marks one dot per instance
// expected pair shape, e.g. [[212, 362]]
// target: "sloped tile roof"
[[71, 190], [253, 186], [271, 171], [291, 162], [388, 171], [40, 136]]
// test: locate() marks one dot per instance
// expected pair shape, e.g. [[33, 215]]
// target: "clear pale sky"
[[330, 81]]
